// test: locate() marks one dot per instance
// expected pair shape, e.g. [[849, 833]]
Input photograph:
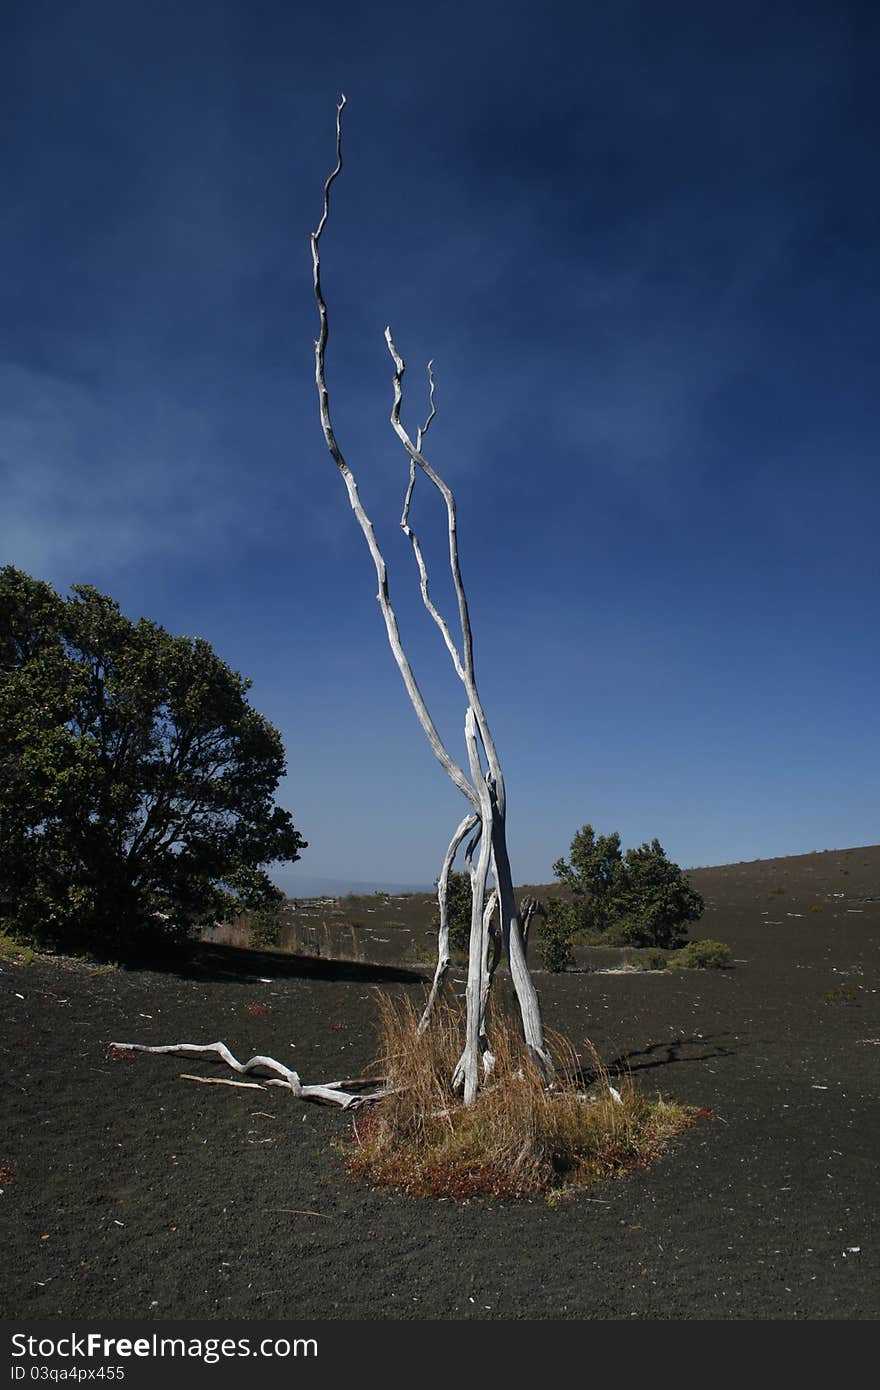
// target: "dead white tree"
[[482, 786]]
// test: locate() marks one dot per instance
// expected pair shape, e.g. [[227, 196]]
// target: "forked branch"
[[394, 640]]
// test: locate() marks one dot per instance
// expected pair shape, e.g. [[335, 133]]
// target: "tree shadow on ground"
[[216, 963], [672, 1051]]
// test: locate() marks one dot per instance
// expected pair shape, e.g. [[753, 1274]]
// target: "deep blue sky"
[[639, 241]]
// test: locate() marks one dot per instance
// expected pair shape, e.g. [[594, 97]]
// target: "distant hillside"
[[297, 885], [759, 908], [862, 864]]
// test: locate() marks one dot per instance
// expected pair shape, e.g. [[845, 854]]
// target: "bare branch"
[[446, 492], [417, 549], [463, 829], [416, 699], [490, 958], [469, 1064], [331, 1093], [529, 908], [464, 667]]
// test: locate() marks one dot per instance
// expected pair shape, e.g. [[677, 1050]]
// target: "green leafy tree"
[[637, 899], [592, 876], [136, 782], [653, 901]]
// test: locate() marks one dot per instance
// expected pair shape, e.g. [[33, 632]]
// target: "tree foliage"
[[654, 902], [136, 782], [594, 877], [557, 934], [639, 898]]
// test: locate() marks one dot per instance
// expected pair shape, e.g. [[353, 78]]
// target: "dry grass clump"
[[519, 1139]]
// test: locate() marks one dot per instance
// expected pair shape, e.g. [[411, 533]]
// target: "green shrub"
[[841, 994], [458, 905], [16, 951], [702, 955], [557, 934], [652, 959], [266, 927], [637, 899]]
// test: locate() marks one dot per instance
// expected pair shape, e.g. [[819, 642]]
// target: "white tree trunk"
[[486, 794]]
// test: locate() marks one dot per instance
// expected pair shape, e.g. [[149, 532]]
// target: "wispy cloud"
[[89, 477]]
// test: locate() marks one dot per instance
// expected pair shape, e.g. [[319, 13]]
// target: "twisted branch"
[[330, 1092], [464, 667]]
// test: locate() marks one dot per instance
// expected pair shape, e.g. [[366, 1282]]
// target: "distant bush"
[[635, 899], [557, 932], [266, 927], [458, 905], [652, 959], [841, 994], [702, 955]]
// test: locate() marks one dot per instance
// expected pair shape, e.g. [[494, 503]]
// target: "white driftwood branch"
[[464, 665], [462, 830], [466, 675], [445, 490], [330, 1092], [394, 640], [416, 544], [479, 926], [529, 908], [527, 995], [491, 954], [222, 1081], [491, 957]]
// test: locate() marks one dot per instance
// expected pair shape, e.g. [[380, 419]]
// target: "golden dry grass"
[[520, 1138]]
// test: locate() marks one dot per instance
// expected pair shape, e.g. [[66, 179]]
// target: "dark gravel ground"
[[129, 1193]]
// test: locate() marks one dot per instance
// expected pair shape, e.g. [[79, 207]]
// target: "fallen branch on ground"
[[331, 1092], [222, 1081]]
